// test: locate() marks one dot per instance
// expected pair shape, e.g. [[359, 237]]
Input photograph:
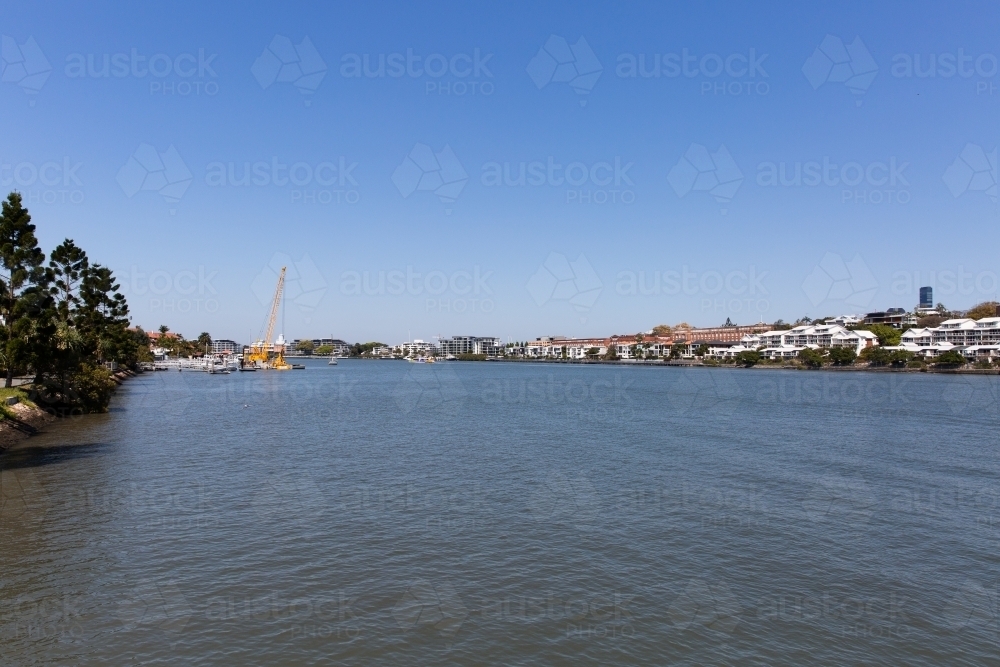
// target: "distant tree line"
[[175, 344]]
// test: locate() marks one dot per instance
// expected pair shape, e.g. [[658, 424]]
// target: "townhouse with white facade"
[[626, 347], [787, 343], [417, 347], [976, 339], [560, 347]]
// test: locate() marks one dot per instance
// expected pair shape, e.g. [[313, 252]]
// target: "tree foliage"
[[951, 358], [61, 322], [359, 349], [748, 358], [876, 356], [842, 356], [886, 334], [984, 309], [811, 358]]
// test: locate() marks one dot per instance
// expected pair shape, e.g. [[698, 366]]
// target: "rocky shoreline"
[[30, 419]]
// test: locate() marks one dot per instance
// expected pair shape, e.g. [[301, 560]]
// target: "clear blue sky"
[[828, 85]]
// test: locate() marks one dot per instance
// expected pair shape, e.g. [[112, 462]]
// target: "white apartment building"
[[559, 347], [224, 346], [973, 338], [417, 347], [786, 344], [730, 351], [456, 345]]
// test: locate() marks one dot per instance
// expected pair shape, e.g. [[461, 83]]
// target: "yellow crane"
[[259, 352]]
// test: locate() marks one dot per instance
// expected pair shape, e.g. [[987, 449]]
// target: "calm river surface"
[[510, 513]]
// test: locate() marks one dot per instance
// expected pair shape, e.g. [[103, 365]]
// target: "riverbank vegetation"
[[63, 323]]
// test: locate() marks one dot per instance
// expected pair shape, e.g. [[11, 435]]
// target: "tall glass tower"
[[926, 297]]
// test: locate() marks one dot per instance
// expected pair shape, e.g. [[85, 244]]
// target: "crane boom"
[[258, 353], [275, 303]]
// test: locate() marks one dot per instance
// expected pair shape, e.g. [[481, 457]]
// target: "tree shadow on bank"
[[36, 457]]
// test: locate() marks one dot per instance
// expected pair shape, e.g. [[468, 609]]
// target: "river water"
[[509, 513]]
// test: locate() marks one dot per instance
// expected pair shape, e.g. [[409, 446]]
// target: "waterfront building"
[[456, 345], [787, 343], [973, 338], [728, 351], [893, 317], [731, 333], [225, 346], [417, 347], [340, 348], [154, 336], [976, 339], [631, 346], [845, 320]]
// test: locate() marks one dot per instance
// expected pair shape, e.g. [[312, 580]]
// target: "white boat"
[[332, 362]]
